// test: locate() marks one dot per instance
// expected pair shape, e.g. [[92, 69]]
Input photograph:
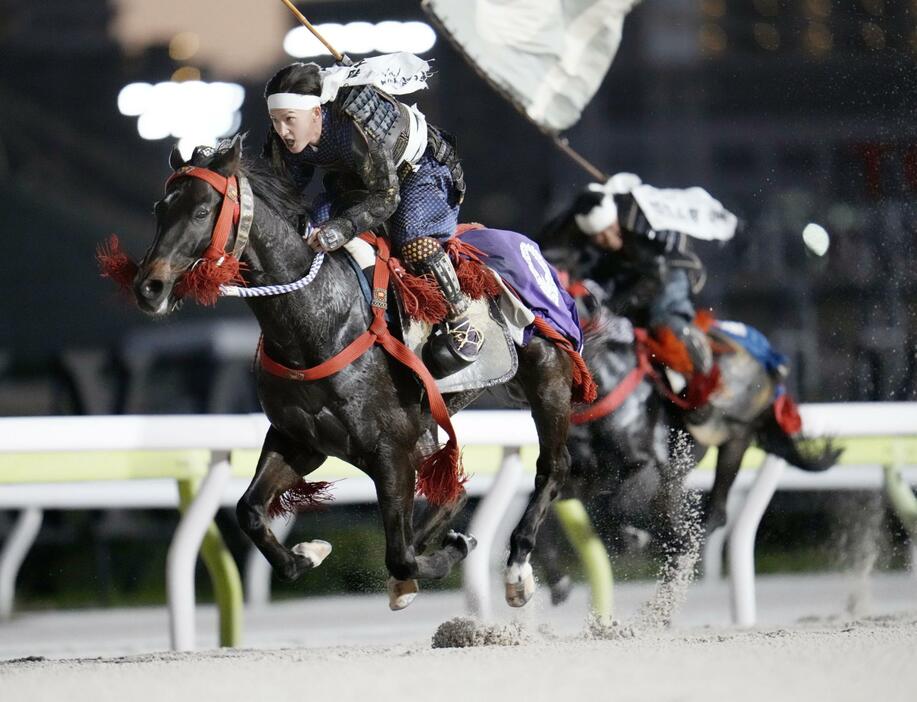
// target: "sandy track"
[[872, 659]]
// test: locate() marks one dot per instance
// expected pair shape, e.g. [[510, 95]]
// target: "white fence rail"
[[219, 434]]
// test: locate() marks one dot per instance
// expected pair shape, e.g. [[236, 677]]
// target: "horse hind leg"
[[728, 461], [544, 375], [281, 466]]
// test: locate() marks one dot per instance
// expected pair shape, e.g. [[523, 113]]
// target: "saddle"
[[743, 385], [503, 321], [514, 296]]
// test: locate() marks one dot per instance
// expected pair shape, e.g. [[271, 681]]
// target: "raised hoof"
[[313, 551], [560, 590], [520, 584], [465, 543], [401, 593]]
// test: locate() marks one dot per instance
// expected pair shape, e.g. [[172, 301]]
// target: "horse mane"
[[277, 192]]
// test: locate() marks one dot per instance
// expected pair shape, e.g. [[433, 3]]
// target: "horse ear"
[[175, 158], [227, 160]]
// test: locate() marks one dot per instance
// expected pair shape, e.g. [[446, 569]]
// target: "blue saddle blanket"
[[755, 343]]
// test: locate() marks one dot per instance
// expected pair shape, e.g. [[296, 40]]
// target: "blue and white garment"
[[427, 205]]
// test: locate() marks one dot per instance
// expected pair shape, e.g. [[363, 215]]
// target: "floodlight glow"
[[419, 37], [134, 98], [195, 112], [388, 37], [361, 38], [153, 125], [300, 43]]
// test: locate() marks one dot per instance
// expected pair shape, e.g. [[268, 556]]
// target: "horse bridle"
[[237, 210]]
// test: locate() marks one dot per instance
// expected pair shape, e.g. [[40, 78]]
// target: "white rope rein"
[[268, 290]]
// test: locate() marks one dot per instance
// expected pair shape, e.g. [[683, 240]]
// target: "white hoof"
[[313, 551], [401, 593], [520, 584]]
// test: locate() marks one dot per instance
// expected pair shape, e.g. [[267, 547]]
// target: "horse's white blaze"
[[520, 583], [401, 593], [314, 551]]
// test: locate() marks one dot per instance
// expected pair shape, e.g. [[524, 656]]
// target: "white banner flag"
[[396, 74], [548, 57], [692, 211]]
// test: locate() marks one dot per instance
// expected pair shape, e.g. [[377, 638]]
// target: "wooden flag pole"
[[338, 56], [581, 160]]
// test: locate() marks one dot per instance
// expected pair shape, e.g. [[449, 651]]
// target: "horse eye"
[[201, 213]]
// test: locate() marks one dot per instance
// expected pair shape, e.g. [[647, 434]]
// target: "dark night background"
[[787, 111]]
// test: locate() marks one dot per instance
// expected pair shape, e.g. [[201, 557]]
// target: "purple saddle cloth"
[[518, 260]]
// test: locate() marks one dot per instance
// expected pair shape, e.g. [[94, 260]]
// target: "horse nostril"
[[152, 289]]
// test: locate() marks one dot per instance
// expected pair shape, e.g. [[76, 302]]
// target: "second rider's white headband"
[[292, 101]]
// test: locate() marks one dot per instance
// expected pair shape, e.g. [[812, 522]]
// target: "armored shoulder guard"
[[381, 118]]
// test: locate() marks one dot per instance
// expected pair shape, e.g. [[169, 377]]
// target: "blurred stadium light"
[[362, 38], [193, 111]]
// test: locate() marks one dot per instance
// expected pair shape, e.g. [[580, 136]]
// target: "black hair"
[[586, 201], [300, 78]]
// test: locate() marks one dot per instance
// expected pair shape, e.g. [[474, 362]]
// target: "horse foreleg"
[[282, 465], [435, 519], [394, 479], [728, 461], [545, 378]]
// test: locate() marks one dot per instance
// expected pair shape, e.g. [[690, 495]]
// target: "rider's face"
[[297, 128], [610, 237]]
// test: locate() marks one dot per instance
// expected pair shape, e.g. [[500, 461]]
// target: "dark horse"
[[370, 413], [642, 451]]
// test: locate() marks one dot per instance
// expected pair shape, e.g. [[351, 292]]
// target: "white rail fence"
[[512, 431]]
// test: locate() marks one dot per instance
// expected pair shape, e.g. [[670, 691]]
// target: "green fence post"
[[227, 585], [902, 500], [578, 529]]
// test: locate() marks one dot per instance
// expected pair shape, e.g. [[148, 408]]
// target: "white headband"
[[600, 217], [292, 101]]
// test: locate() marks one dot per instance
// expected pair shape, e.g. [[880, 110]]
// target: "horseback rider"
[[404, 172], [643, 261]]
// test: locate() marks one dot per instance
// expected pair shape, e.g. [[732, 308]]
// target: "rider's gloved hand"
[[331, 236]]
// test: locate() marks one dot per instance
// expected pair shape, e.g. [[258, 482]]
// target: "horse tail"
[[807, 454]]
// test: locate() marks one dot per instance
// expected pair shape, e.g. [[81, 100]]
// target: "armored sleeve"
[[376, 168]]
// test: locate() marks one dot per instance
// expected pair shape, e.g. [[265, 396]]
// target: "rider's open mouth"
[[290, 143]]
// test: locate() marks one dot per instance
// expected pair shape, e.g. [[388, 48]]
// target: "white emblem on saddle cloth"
[[540, 270], [734, 328]]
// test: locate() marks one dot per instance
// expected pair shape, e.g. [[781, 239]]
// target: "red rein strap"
[[616, 397], [440, 477], [623, 390]]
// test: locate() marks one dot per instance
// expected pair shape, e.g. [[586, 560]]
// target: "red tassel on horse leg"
[[300, 497]]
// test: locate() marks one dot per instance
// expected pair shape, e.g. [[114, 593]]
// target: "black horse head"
[[185, 220]]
